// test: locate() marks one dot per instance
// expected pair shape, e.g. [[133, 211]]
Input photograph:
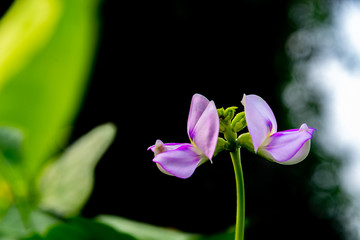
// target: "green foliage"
[[47, 47], [42, 226], [84, 229], [66, 183], [25, 30], [143, 231], [43, 93], [13, 225], [10, 143]]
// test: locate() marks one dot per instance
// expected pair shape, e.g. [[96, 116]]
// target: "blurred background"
[[302, 57]]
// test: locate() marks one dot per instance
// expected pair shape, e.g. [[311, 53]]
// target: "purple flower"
[[284, 147], [181, 159]]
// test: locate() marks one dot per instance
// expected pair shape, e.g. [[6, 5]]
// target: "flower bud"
[[222, 127], [239, 122], [229, 113], [220, 112]]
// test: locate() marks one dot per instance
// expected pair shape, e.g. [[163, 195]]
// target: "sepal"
[[221, 145], [244, 140]]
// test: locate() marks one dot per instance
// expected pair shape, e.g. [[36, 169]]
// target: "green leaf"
[[24, 30], [10, 156], [33, 237], [14, 226], [66, 183], [6, 196], [51, 44], [11, 140], [84, 229], [41, 221], [143, 231]]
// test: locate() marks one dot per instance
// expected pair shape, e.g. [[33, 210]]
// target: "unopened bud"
[[229, 113], [239, 122], [222, 127], [220, 112]]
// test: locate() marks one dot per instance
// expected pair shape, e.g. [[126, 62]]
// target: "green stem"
[[240, 195]]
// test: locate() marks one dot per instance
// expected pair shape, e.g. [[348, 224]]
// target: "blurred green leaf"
[[84, 229], [13, 226], [33, 237], [24, 30], [6, 197], [47, 49], [10, 143], [143, 231], [41, 222], [10, 147], [66, 183]]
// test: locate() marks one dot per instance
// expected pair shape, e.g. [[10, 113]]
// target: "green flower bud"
[[229, 113], [220, 112], [239, 122], [222, 127]]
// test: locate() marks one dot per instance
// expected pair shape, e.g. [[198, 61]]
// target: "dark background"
[[152, 57]]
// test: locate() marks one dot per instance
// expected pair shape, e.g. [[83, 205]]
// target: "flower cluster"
[[203, 126]]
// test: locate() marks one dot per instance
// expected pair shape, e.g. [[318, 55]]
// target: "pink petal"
[[260, 119], [180, 162], [300, 155], [197, 107], [206, 131], [288, 147]]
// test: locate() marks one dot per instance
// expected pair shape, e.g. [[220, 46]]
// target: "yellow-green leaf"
[[24, 30]]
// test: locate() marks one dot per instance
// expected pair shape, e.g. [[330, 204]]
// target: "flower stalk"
[[240, 195], [234, 149]]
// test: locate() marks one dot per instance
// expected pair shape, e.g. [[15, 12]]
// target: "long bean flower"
[[284, 147], [181, 159]]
